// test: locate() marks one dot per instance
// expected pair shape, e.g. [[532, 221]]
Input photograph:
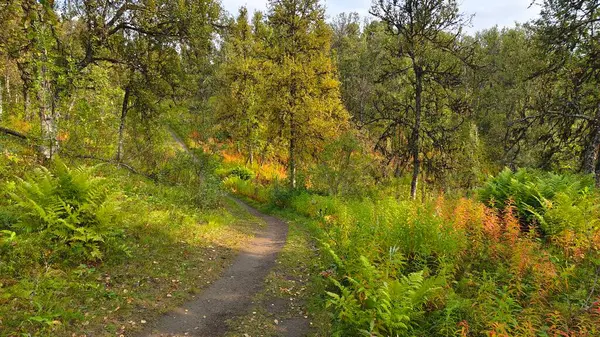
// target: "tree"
[[147, 42], [32, 40], [304, 97], [502, 91], [420, 97], [357, 52], [569, 107], [241, 76]]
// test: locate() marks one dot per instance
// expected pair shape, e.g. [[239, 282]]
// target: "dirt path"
[[232, 294]]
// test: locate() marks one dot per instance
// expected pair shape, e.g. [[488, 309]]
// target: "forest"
[[390, 174]]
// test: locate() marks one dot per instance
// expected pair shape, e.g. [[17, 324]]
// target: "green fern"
[[371, 303], [71, 206], [535, 193]]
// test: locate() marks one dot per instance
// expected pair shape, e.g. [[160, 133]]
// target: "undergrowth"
[[455, 266], [99, 251]]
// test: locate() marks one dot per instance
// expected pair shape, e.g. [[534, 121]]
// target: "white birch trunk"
[[49, 129]]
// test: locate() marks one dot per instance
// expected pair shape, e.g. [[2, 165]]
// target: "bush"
[[241, 172], [68, 208], [179, 170], [281, 196], [208, 192]]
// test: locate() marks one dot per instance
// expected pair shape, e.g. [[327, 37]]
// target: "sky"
[[488, 13]]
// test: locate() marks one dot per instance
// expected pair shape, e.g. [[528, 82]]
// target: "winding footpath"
[[232, 294]]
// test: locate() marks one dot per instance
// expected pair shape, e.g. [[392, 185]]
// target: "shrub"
[[281, 196], [179, 170], [208, 192], [66, 206], [242, 172]]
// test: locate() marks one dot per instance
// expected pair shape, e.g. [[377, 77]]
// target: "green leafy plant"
[[242, 172], [68, 206], [534, 193], [7, 236], [374, 303], [238, 171]]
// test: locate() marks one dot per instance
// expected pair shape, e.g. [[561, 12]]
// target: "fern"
[[371, 304], [72, 207], [533, 194]]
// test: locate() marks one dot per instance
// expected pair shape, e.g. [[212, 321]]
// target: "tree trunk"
[[292, 154], [249, 145], [48, 126], [26, 78], [7, 86], [344, 165], [263, 155], [13, 133], [1, 101], [415, 137], [590, 155], [250, 154], [595, 147], [597, 173], [49, 130], [26, 111], [121, 139]]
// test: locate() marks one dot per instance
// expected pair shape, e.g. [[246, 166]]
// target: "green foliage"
[[239, 171], [103, 79], [282, 196], [552, 201], [304, 102], [377, 299], [343, 168], [67, 207], [242, 172], [414, 107], [195, 171], [207, 192], [49, 287], [239, 101], [450, 267]]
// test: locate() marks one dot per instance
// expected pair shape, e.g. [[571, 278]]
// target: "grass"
[[173, 251]]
